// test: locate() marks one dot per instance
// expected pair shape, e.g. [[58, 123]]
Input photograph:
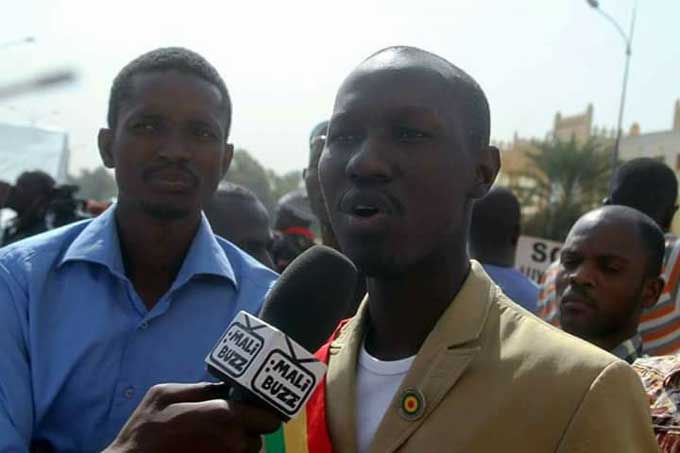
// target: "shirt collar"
[[205, 257], [99, 243], [629, 350]]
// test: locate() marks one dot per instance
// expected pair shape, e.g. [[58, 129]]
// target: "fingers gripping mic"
[[306, 304]]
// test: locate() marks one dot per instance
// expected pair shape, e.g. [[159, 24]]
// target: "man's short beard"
[[380, 267], [605, 328], [164, 211]]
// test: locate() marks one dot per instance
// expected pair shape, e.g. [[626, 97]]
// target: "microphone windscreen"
[[311, 296]]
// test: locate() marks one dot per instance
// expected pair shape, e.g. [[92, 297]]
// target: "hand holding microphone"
[[193, 417], [306, 303]]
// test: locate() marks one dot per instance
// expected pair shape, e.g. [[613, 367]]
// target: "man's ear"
[[105, 143], [651, 291], [226, 160], [488, 166], [516, 232], [668, 221]]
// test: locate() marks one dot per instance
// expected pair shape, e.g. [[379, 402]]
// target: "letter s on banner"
[[534, 255]]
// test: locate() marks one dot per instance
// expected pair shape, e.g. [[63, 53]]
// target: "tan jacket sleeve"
[[613, 416]]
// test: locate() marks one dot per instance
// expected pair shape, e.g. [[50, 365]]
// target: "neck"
[[610, 342], [403, 311], [153, 250], [501, 256]]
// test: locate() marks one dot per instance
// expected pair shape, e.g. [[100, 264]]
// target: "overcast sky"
[[283, 61]]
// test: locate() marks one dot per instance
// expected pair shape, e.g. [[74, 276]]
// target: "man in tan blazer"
[[437, 359]]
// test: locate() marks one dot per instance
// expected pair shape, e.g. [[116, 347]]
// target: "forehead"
[[173, 90], [602, 236], [376, 90]]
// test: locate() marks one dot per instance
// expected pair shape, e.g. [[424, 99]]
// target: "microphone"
[[269, 358]]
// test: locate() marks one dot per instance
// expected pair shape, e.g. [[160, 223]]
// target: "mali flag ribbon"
[[308, 431]]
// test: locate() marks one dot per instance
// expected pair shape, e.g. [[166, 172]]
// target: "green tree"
[[97, 184], [285, 183], [245, 170], [568, 179]]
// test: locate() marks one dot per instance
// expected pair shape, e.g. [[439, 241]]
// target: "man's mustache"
[[150, 172]]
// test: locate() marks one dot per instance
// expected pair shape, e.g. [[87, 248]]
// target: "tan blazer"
[[494, 378]]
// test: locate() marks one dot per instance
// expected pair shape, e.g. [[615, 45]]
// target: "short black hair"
[[166, 59], [474, 103], [647, 185], [650, 233], [228, 193], [495, 219], [43, 182], [315, 151], [654, 241], [230, 190]]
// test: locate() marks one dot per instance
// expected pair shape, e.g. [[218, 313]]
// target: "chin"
[[165, 211], [583, 331], [377, 265]]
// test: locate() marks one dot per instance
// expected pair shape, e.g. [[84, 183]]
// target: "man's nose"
[[371, 162], [583, 274], [174, 147]]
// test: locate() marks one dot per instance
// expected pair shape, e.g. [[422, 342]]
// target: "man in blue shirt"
[[494, 231], [94, 314]]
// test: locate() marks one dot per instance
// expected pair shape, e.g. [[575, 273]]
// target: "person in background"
[[310, 174], [609, 272], [292, 225], [437, 357], [236, 214], [97, 318], [494, 232], [650, 187], [317, 141], [29, 198], [660, 376]]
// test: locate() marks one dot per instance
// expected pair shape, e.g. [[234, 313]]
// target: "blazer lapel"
[[341, 384], [447, 352]]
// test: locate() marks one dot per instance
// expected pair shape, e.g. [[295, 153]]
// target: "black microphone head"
[[311, 296]]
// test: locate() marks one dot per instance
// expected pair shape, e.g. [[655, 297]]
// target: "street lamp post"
[[628, 40]]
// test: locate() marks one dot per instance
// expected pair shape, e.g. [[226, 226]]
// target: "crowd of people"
[[104, 323]]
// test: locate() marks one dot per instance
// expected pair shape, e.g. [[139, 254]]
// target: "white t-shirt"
[[377, 383]]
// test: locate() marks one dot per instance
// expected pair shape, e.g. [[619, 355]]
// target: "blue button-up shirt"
[[78, 347], [515, 285]]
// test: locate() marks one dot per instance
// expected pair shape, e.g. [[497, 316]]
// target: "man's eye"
[[611, 268], [344, 138], [568, 262], [205, 134], [409, 134], [145, 126]]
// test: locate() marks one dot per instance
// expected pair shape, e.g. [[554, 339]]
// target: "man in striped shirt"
[[609, 271], [651, 187]]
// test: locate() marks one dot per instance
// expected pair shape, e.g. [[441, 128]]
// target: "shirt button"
[[129, 392], [144, 325]]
